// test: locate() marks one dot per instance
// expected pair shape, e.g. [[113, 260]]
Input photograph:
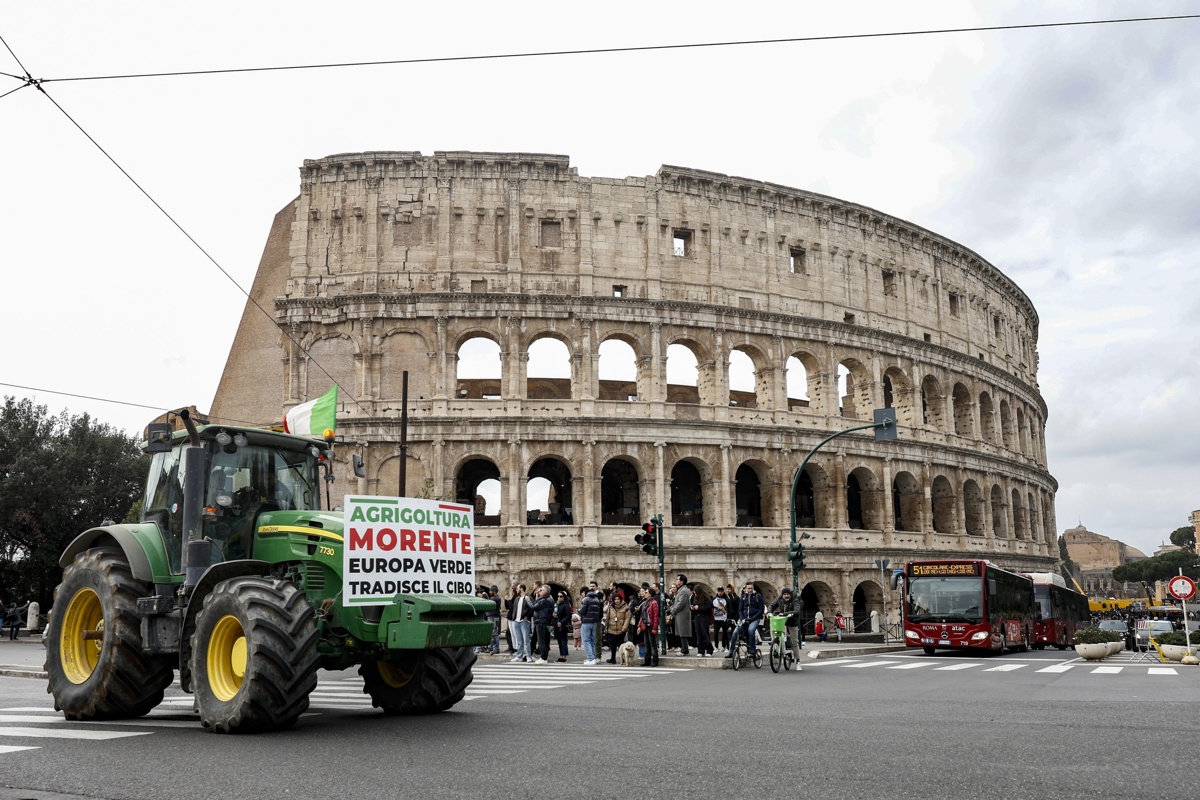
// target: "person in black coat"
[[543, 615]]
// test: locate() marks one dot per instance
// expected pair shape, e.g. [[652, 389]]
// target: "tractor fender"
[[212, 576], [131, 545]]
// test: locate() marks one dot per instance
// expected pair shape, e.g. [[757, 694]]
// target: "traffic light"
[[648, 539], [796, 555]]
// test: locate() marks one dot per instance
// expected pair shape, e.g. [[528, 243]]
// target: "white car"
[[1156, 627]]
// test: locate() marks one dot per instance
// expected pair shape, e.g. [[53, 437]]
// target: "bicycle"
[[741, 653], [781, 653]]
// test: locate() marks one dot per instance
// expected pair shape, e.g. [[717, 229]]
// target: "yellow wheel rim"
[[226, 658], [81, 636], [393, 674]]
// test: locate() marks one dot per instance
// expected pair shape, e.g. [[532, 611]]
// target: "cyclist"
[[787, 604], [750, 613]]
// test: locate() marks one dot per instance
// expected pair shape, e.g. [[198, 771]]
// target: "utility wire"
[[19, 88], [161, 409], [633, 49]]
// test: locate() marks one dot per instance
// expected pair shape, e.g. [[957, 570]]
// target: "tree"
[[1159, 568], [1184, 537], [59, 476]]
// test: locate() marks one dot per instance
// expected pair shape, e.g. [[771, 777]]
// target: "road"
[[896, 724]]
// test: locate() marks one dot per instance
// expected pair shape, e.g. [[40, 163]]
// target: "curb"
[[22, 672]]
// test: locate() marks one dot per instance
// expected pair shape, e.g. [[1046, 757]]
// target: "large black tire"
[[94, 655], [776, 656], [254, 655], [419, 682]]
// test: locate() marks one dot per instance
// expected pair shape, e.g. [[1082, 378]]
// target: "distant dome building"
[[1097, 556], [584, 353]]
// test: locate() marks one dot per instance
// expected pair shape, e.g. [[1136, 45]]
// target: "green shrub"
[[1177, 638], [1096, 636]]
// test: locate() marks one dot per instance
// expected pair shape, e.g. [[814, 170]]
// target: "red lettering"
[[439, 541], [453, 541], [466, 544], [424, 538], [386, 539], [360, 541], [408, 540]]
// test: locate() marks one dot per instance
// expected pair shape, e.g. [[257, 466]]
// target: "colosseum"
[[583, 353]]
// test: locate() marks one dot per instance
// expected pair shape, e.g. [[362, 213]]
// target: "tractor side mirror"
[[158, 437]]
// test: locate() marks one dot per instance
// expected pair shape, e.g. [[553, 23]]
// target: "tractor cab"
[[247, 473]]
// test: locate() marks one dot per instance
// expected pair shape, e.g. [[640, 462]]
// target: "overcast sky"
[[1066, 157]]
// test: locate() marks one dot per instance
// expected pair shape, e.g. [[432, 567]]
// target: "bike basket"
[[777, 624]]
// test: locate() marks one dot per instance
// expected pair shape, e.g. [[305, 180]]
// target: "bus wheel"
[[929, 651]]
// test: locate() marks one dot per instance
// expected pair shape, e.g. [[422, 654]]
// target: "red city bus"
[[966, 604], [1060, 611]]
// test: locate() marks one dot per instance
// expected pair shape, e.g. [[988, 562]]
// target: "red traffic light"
[[648, 527]]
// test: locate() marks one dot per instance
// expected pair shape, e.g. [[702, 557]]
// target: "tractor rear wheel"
[[254, 655], [94, 655], [420, 682]]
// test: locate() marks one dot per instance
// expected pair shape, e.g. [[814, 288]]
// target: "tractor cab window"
[[250, 480], [164, 502]]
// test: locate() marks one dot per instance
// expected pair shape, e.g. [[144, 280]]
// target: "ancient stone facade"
[[1097, 556], [394, 261]]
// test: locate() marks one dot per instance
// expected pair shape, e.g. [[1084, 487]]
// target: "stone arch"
[[418, 482], [1031, 509], [987, 419], [854, 389], [549, 368], [1006, 431], [864, 501], [933, 406], [999, 514], [898, 394], [683, 374], [963, 417], [804, 385], [747, 390], [907, 498], [748, 498], [469, 475], [401, 350], [331, 358], [618, 369], [620, 502], [478, 371], [973, 508], [1048, 524], [817, 596], [1020, 522], [867, 597], [814, 498], [688, 501], [556, 506], [1022, 433], [942, 500]]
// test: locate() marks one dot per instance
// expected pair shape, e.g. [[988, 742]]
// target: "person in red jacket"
[[648, 625]]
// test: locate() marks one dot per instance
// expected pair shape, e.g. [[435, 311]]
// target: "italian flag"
[[314, 417]]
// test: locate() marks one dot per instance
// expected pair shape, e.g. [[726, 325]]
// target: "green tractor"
[[234, 577]]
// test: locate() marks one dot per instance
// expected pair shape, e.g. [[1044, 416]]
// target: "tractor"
[[233, 576]]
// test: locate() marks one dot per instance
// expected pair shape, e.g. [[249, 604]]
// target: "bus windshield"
[[945, 599]]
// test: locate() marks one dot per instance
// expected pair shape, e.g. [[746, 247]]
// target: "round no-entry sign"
[[1182, 587]]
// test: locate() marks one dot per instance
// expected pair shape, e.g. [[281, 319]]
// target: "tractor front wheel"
[[254, 655], [94, 656], [420, 681]]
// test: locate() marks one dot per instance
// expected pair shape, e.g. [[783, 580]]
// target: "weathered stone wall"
[[394, 260]]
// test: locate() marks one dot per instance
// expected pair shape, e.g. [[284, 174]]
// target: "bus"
[[1060, 611], [971, 605]]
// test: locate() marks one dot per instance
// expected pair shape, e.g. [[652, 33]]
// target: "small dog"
[[626, 654]]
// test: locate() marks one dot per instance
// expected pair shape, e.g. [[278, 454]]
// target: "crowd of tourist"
[[606, 619]]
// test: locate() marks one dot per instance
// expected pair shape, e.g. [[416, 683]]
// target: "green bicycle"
[[781, 653]]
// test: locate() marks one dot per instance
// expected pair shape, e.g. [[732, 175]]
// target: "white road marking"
[[68, 733], [1006, 668]]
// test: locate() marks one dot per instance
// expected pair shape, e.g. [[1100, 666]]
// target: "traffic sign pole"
[[1183, 588]]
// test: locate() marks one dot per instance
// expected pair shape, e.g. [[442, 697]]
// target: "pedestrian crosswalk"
[[1007, 666], [340, 691]]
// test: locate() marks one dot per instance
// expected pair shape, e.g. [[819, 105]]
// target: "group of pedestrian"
[[607, 619]]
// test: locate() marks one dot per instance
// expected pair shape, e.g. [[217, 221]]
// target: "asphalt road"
[[894, 724]]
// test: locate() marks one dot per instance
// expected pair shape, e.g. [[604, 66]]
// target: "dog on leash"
[[627, 654]]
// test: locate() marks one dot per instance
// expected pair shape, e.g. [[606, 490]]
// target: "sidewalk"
[[822, 650], [23, 658]]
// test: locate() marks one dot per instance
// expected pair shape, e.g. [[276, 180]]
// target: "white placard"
[[406, 545]]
